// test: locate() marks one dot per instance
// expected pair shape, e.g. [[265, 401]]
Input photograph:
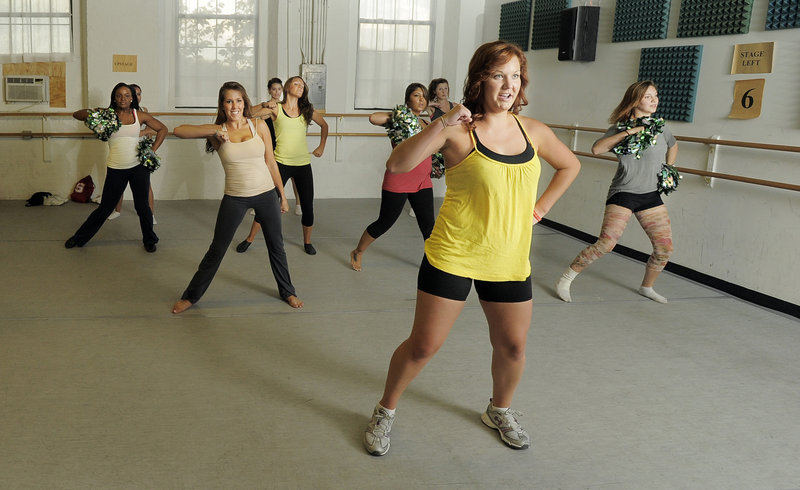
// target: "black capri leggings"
[[304, 180], [392, 206]]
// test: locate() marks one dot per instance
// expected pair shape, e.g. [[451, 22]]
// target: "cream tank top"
[[122, 146], [246, 172]]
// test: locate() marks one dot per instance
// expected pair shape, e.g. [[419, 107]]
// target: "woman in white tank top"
[[124, 168]]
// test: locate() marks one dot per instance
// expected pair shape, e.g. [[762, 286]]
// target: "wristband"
[[536, 216], [444, 124]]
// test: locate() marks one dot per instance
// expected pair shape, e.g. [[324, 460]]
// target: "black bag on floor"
[[37, 199]]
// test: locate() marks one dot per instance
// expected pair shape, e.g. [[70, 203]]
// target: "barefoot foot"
[[181, 306], [355, 260], [294, 302]]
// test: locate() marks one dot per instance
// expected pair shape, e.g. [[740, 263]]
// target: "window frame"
[[431, 23], [9, 57], [172, 19]]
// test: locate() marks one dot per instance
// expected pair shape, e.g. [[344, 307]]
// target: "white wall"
[[741, 233], [350, 167], [737, 232]]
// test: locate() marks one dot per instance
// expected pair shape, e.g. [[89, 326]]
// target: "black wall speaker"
[[577, 40]]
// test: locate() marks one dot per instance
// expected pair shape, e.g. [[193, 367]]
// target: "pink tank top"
[[414, 181]]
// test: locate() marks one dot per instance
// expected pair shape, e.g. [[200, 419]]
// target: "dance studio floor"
[[102, 387]]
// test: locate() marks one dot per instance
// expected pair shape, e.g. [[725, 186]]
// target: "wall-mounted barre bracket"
[[711, 163], [574, 133]]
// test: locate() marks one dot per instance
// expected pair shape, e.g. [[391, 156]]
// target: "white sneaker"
[[298, 210], [506, 423], [376, 437], [114, 215]]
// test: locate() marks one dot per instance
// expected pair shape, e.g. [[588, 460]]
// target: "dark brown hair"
[[434, 85], [412, 88], [221, 117], [486, 58], [630, 100], [303, 104]]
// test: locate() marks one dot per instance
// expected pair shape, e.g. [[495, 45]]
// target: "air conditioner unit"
[[29, 88]]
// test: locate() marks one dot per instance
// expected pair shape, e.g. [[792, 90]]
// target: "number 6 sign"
[[747, 96]]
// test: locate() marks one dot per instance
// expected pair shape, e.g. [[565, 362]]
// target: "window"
[[35, 30], [395, 44], [216, 42]]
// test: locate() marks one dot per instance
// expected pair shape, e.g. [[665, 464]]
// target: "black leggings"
[[304, 180], [392, 206], [113, 187], [231, 212]]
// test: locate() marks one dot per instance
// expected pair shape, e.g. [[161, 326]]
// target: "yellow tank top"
[[290, 136], [484, 226]]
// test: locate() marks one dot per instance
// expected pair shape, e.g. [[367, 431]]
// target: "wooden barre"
[[705, 173]]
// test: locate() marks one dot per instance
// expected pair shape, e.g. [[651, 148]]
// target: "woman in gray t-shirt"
[[633, 189]]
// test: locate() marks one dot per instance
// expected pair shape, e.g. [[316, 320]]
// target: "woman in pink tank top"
[[414, 186]]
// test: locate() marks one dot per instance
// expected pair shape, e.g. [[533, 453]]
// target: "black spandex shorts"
[[439, 283], [636, 202]]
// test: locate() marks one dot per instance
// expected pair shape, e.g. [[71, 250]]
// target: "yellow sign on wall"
[[747, 97], [123, 62], [752, 58]]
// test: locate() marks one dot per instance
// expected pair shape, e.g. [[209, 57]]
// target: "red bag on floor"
[[83, 190]]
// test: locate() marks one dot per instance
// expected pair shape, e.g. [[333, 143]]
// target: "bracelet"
[[626, 132], [536, 216], [444, 124]]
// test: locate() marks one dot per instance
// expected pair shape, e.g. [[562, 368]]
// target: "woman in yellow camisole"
[[482, 233]]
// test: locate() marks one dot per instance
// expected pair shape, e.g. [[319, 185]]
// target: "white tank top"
[[122, 146]]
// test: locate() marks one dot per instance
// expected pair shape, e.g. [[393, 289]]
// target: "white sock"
[[650, 293], [390, 412], [499, 409], [563, 284]]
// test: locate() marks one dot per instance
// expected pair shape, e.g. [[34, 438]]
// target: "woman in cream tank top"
[[252, 181]]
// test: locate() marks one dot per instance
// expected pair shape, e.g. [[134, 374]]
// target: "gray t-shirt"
[[640, 176]]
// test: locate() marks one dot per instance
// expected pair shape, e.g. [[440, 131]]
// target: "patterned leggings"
[[654, 221]]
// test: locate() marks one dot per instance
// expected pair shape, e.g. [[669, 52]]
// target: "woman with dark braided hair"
[[482, 233], [124, 168], [251, 180]]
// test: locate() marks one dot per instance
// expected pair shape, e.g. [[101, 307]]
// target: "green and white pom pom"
[[103, 123], [146, 155], [668, 179], [636, 143]]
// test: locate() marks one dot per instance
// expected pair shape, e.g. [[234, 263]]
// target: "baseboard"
[[736, 290]]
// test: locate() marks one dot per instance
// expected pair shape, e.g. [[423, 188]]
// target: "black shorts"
[[636, 202], [445, 285]]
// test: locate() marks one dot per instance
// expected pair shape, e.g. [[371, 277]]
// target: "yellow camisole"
[[290, 139], [484, 226]]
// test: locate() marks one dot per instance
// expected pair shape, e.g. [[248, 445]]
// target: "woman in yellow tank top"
[[482, 233]]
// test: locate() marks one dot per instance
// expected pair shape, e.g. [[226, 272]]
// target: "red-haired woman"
[[482, 234]]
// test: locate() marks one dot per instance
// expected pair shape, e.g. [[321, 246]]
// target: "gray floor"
[[102, 387]]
